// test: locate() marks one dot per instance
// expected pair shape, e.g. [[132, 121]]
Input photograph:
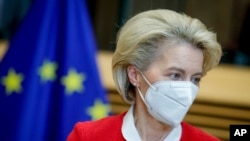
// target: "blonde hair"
[[138, 41]]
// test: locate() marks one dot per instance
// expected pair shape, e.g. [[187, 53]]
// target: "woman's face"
[[181, 62]]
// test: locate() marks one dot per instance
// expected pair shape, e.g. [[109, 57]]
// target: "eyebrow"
[[183, 71]]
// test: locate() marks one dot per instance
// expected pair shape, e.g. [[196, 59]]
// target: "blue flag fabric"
[[49, 79]]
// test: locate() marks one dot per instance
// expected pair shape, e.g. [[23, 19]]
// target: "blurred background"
[[228, 18], [224, 97]]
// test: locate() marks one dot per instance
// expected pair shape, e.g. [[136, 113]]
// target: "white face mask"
[[169, 101]]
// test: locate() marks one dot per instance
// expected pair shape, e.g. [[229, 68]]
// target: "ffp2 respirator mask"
[[169, 101]]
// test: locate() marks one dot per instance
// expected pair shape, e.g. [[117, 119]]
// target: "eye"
[[196, 80], [175, 76]]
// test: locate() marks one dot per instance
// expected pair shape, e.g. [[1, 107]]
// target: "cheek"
[[156, 72]]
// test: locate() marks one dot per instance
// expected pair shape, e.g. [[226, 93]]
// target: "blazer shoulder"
[[190, 132], [108, 127], [106, 122]]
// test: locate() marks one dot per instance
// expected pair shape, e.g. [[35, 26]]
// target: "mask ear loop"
[[153, 87], [140, 93]]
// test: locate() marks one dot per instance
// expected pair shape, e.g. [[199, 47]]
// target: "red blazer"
[[109, 129]]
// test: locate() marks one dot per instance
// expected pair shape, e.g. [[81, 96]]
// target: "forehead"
[[181, 55]]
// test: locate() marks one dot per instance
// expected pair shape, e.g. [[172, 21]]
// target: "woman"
[[159, 61]]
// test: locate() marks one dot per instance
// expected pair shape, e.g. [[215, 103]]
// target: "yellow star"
[[99, 110], [48, 71], [12, 82], [73, 82]]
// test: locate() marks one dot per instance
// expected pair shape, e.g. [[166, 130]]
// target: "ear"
[[132, 74]]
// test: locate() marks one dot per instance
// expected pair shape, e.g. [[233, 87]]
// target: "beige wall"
[[3, 48]]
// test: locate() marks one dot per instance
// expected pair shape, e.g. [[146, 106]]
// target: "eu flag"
[[49, 79]]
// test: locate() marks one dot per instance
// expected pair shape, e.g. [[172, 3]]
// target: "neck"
[[148, 127]]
